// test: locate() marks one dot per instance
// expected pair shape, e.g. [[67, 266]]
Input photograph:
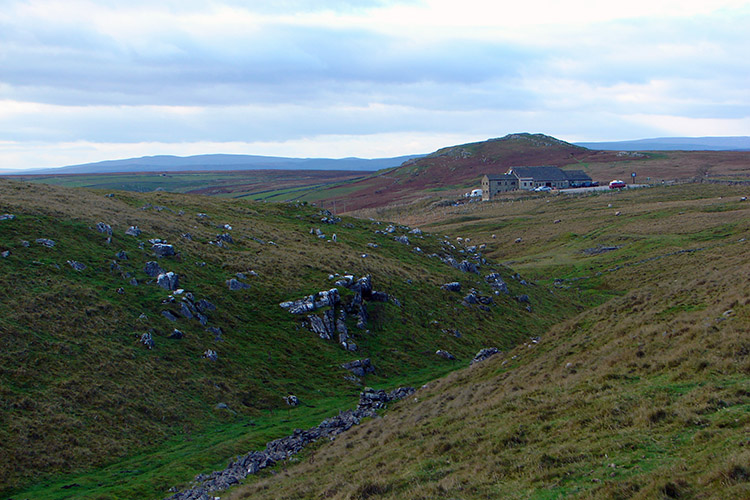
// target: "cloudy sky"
[[84, 80]]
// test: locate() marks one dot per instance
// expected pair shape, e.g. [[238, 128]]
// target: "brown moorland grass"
[[645, 396]]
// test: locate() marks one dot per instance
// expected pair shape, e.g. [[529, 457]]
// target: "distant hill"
[[214, 162], [674, 144]]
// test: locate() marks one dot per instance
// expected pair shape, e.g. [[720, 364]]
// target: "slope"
[[118, 382], [645, 396]]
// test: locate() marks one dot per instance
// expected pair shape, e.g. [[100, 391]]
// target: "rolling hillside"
[[144, 342], [646, 396]]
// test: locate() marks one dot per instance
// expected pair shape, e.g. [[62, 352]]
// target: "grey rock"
[[524, 299], [169, 315], [163, 250], [133, 231], [318, 327], [7, 217], [168, 281], [416, 231], [5, 254], [445, 354], [45, 242], [453, 286], [153, 269], [78, 266], [234, 284], [471, 299], [25, 243], [484, 354], [134, 282], [176, 334], [312, 302], [497, 282], [216, 331], [185, 311], [147, 340], [468, 267], [379, 296], [104, 228], [226, 237], [359, 367], [402, 239], [210, 355], [203, 305], [122, 255]]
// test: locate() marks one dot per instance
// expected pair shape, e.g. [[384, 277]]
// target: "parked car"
[[542, 189], [616, 184]]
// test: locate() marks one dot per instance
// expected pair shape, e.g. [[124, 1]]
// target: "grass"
[[644, 394], [84, 400]]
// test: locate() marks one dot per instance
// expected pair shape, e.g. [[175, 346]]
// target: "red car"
[[617, 184]]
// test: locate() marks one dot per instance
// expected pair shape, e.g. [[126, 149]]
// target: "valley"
[[621, 319]]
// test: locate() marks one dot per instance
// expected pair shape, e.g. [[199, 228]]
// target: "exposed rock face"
[[122, 255], [484, 354], [176, 334], [211, 355], [168, 281], [163, 250], [133, 231], [169, 315], [402, 239], [281, 449], [453, 286], [7, 217], [153, 269], [312, 302]]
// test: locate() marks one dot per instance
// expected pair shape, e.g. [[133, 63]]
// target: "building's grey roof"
[[501, 177], [539, 174], [577, 175]]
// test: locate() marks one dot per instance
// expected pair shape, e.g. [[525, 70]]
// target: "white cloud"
[[183, 73]]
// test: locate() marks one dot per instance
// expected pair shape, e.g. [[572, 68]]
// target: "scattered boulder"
[[484, 354], [163, 250], [7, 217], [104, 228], [523, 299], [169, 315], [133, 231], [168, 281], [176, 334], [235, 284], [359, 367], [468, 267], [122, 255], [147, 340], [453, 286], [402, 239], [203, 305], [210, 355], [216, 331], [46, 242], [78, 266], [5, 254], [497, 282], [153, 269], [445, 355], [291, 400]]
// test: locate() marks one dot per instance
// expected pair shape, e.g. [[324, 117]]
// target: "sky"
[[84, 81]]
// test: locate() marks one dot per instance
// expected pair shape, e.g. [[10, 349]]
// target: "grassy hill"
[[646, 395], [91, 410]]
